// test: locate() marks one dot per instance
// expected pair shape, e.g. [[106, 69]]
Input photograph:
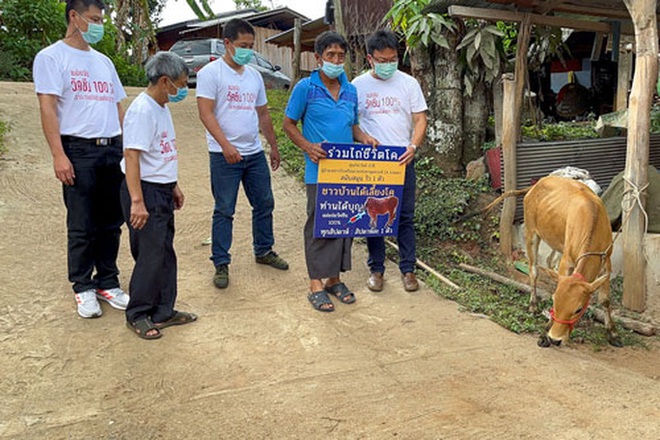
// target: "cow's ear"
[[549, 272], [599, 282]]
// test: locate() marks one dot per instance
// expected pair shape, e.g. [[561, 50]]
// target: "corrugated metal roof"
[[603, 158]]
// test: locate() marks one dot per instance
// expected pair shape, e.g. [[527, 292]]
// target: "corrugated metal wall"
[[603, 158]]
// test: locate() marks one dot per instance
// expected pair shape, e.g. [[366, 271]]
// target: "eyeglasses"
[[384, 60]]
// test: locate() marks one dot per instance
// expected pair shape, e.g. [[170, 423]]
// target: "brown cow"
[[571, 219], [380, 206]]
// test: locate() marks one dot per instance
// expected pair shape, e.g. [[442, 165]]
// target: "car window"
[[263, 62], [192, 47], [219, 48]]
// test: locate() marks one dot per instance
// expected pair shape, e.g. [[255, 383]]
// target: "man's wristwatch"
[[414, 147]]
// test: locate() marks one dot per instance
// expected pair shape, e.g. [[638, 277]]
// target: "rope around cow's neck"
[[633, 193]]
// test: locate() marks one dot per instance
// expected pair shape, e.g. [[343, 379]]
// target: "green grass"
[[292, 157], [5, 127], [443, 242]]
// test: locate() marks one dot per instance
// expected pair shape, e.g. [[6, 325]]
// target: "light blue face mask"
[[332, 70], [94, 32], [181, 93], [242, 56], [385, 70]]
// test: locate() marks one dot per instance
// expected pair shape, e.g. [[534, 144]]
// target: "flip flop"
[[179, 318], [341, 291], [142, 326], [320, 299]]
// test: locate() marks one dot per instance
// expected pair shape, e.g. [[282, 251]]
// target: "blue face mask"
[[332, 70], [385, 70], [242, 56], [94, 32], [181, 93]]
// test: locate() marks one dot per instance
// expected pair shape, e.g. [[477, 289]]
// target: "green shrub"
[[561, 131], [442, 201]]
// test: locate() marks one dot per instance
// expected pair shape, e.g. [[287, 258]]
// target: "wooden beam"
[[510, 129], [637, 156], [297, 45], [536, 19]]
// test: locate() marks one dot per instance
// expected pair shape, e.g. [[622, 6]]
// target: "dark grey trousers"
[[325, 257]]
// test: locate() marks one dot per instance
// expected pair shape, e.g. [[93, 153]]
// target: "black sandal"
[[341, 291], [319, 300], [142, 326], [179, 318]]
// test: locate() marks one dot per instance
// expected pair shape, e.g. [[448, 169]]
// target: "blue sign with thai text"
[[359, 191]]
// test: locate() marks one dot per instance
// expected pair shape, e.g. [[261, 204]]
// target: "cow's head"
[[569, 303]]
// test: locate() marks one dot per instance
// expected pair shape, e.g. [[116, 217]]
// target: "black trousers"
[[94, 216], [153, 282]]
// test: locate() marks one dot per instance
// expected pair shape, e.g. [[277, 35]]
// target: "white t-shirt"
[[88, 88], [385, 107], [236, 96], [148, 127]]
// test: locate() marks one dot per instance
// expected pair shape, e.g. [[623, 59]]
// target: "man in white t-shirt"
[[150, 195], [79, 97], [391, 108], [232, 104]]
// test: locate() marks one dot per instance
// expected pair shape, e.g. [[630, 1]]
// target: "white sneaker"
[[88, 306], [116, 297]]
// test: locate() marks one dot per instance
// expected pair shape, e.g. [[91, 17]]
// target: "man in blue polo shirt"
[[326, 103]]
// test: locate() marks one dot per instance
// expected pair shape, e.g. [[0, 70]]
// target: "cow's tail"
[[494, 203]]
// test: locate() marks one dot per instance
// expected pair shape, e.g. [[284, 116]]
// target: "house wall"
[[281, 56]]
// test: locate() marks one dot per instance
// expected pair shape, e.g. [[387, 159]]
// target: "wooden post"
[[514, 91], [341, 29], [497, 111], [624, 72], [297, 45], [637, 156], [521, 68], [510, 129]]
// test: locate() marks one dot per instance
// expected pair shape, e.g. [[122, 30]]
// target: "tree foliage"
[[250, 4], [27, 26], [481, 51]]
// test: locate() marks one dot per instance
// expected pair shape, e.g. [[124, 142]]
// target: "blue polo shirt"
[[323, 118]]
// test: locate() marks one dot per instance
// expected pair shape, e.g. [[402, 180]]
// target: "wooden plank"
[[624, 73], [637, 158], [510, 129], [543, 20]]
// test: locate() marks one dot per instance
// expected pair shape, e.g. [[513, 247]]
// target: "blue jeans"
[[406, 234], [94, 216], [253, 172]]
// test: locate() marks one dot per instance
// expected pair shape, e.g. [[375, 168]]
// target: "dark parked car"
[[199, 52]]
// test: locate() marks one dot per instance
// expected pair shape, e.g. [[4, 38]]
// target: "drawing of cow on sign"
[[375, 206]]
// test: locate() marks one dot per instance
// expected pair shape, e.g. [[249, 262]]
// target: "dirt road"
[[260, 363]]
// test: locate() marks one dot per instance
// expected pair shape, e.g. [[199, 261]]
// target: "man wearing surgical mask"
[[79, 95], [150, 195], [232, 105], [326, 104], [391, 107]]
